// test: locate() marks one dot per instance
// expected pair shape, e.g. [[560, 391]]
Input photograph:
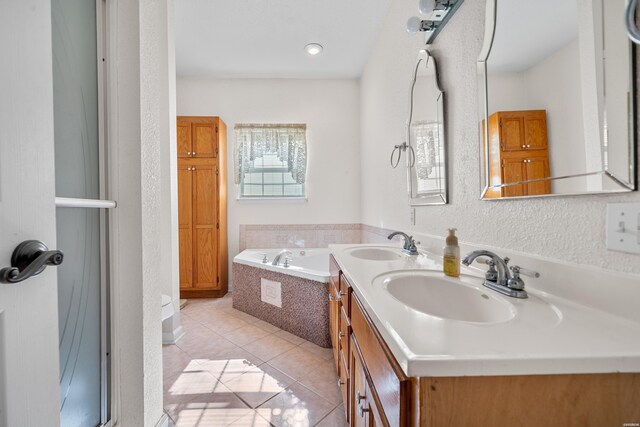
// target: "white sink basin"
[[433, 293], [376, 254]]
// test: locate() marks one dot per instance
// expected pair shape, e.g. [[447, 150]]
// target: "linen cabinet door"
[[184, 139], [512, 131], [185, 225], [513, 170], [205, 227], [535, 130], [205, 140], [537, 168]]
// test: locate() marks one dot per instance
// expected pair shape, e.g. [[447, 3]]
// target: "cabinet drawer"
[[343, 382], [343, 335], [345, 290], [388, 381]]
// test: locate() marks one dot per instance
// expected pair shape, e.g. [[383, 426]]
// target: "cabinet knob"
[[343, 293], [524, 146], [341, 334], [193, 154], [340, 382], [362, 410], [359, 397], [331, 298], [528, 145]]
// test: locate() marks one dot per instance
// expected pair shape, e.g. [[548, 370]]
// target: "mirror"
[[426, 157], [557, 114]]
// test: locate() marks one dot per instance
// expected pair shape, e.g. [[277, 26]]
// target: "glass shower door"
[[81, 216]]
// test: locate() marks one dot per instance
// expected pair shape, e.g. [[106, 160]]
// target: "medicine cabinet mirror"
[[557, 99], [426, 157]]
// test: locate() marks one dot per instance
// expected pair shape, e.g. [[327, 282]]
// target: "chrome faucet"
[[409, 246], [276, 259], [506, 279]]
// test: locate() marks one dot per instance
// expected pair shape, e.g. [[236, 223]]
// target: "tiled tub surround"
[[297, 235], [304, 312], [232, 369]]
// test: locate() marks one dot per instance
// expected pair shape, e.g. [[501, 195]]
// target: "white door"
[[29, 371]]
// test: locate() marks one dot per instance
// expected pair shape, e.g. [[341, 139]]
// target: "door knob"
[[29, 258]]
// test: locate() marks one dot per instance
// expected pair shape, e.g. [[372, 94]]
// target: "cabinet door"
[[537, 168], [535, 130], [334, 312], [511, 131], [205, 231], [513, 171], [185, 226], [184, 139], [205, 140], [358, 396]]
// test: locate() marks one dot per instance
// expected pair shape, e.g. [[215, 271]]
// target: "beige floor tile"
[[204, 346], [217, 409], [230, 364], [251, 420], [268, 347], [321, 352], [336, 418], [258, 386], [296, 406], [175, 361], [324, 383], [181, 389], [294, 339], [296, 362], [245, 335], [266, 326], [223, 322]]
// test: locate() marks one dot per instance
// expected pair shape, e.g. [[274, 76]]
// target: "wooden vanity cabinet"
[[518, 151], [376, 392]]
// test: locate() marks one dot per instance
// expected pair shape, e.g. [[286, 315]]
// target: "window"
[[270, 160]]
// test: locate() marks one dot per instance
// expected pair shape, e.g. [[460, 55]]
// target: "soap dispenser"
[[451, 255]]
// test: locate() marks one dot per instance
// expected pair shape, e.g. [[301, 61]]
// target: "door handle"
[[29, 258]]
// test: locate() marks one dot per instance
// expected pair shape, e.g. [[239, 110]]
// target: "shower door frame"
[[105, 38]]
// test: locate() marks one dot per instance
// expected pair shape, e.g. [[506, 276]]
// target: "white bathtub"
[[312, 264]]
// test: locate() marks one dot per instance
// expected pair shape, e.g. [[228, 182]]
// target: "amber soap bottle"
[[451, 255]]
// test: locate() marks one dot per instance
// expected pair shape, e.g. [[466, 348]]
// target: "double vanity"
[[414, 347]]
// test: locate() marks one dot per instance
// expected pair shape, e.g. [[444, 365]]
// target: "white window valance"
[[288, 142]]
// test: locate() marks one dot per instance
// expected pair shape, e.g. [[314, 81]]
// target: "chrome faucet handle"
[[286, 262], [515, 282], [492, 273], [265, 260], [524, 271]]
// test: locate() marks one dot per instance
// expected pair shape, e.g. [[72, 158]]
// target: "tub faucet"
[[284, 252], [409, 246], [506, 279]]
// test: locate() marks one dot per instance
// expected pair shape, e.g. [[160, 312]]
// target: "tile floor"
[[232, 369]]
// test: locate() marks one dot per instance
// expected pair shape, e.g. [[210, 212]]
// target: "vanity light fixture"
[[313, 49], [438, 14]]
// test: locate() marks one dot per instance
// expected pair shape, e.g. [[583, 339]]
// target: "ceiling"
[[266, 38], [529, 31]]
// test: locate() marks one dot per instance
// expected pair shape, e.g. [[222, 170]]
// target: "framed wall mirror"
[[557, 99], [426, 157]]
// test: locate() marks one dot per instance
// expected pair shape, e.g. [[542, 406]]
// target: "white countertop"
[[548, 335]]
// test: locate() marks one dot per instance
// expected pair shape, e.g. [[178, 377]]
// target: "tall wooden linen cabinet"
[[518, 151], [202, 206]]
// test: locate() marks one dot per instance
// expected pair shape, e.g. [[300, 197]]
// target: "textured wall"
[[565, 228]]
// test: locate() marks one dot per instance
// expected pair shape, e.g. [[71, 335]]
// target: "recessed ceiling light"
[[313, 49]]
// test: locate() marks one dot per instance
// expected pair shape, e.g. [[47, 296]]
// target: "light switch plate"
[[623, 227]]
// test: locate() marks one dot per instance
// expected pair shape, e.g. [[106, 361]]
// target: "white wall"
[[330, 110], [567, 228], [553, 85], [138, 96]]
